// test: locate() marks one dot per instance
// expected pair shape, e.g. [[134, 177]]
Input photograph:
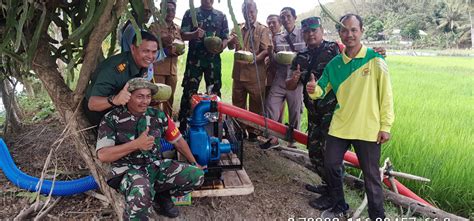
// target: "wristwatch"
[[110, 99]]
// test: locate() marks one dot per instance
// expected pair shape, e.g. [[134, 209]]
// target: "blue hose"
[[25, 181], [60, 188]]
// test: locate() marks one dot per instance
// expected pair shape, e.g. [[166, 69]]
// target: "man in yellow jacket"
[[359, 77]]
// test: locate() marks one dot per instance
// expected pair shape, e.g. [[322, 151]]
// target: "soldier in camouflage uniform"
[[129, 138], [200, 60], [315, 57]]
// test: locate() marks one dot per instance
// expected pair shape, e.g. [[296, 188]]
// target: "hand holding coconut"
[[311, 85]]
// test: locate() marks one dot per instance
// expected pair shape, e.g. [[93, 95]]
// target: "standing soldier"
[[166, 71], [313, 60], [249, 77], [201, 60], [129, 138]]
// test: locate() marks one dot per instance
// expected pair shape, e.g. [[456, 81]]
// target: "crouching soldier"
[[129, 139]]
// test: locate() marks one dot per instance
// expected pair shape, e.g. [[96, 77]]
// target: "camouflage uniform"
[[319, 111], [199, 60], [143, 175]]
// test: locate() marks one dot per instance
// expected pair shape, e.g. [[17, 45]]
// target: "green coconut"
[[285, 57], [164, 92], [243, 56], [179, 45], [213, 43]]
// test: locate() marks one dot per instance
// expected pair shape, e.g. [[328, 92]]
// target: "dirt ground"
[[279, 184]]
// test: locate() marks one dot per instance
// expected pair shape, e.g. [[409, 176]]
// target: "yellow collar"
[[361, 54]]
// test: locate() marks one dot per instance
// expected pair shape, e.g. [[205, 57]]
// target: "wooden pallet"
[[235, 182]]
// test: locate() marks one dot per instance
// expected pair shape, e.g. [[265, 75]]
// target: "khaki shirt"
[[261, 41], [169, 66]]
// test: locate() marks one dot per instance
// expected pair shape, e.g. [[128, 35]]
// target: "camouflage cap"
[[140, 83], [311, 23]]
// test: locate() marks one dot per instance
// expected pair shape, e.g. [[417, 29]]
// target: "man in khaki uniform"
[[166, 71], [244, 74]]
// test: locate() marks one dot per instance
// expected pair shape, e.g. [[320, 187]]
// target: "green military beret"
[[311, 23], [140, 83]]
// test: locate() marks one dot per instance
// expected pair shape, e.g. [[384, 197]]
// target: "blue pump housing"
[[205, 148]]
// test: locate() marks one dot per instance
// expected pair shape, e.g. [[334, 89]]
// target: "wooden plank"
[[231, 179], [244, 178], [223, 192], [225, 160]]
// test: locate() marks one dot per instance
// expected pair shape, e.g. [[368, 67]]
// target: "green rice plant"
[[433, 134]]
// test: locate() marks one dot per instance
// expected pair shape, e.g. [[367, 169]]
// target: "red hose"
[[303, 139]]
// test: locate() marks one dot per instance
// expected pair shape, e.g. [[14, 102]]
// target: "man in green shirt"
[[108, 87], [363, 117]]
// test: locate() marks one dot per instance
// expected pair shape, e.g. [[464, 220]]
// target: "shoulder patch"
[[121, 67]]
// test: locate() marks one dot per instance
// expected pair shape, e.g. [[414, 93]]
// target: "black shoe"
[[252, 137], [321, 203], [268, 145], [167, 207], [338, 211], [319, 189]]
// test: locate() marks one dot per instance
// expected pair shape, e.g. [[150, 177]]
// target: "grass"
[[433, 132]]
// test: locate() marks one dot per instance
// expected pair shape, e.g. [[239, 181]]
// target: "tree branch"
[[106, 23]]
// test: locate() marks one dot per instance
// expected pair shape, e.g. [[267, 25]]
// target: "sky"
[[265, 8]]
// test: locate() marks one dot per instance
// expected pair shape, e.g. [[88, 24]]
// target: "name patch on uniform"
[[121, 67]]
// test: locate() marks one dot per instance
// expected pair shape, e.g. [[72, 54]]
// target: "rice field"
[[433, 134]]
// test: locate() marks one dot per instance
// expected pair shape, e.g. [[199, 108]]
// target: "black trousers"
[[368, 154]]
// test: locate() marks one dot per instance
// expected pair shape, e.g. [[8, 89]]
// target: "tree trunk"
[[13, 112], [68, 104]]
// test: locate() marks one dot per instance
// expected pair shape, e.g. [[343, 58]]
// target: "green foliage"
[[432, 136], [410, 31], [36, 109], [373, 28]]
